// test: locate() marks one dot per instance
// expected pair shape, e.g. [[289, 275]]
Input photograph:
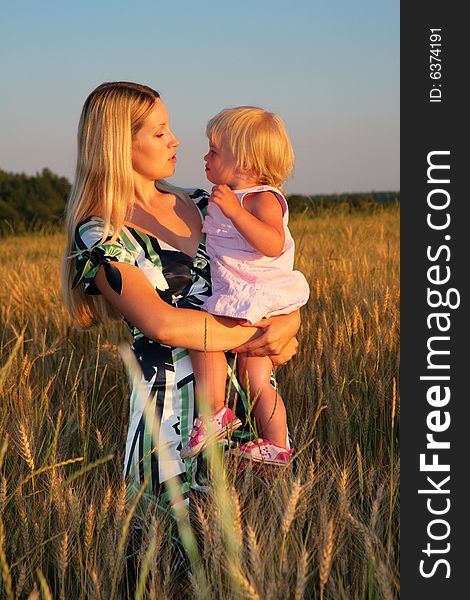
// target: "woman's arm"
[[141, 305]]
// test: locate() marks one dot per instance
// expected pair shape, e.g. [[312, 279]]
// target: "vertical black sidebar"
[[435, 359]]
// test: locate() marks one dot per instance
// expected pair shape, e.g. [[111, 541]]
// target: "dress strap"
[[263, 188]]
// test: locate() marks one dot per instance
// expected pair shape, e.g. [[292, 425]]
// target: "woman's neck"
[[146, 195]]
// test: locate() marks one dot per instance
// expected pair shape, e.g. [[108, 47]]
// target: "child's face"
[[221, 167]]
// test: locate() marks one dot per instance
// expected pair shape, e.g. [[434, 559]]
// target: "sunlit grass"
[[325, 528]]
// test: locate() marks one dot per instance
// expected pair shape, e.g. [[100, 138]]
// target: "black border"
[[427, 127]]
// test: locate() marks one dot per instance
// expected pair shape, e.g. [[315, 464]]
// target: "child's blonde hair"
[[258, 141]]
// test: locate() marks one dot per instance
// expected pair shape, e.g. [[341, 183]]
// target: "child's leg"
[[269, 409], [214, 420], [210, 372]]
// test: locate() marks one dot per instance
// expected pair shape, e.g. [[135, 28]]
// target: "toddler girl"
[[252, 253]]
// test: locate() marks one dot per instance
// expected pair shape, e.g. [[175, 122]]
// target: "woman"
[[135, 251]]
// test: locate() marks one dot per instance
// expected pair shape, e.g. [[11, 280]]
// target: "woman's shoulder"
[[197, 194], [200, 198], [89, 231], [92, 232]]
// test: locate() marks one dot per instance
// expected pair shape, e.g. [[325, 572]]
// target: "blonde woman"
[[135, 251], [252, 254]]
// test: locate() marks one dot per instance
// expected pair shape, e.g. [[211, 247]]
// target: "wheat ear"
[[326, 557]]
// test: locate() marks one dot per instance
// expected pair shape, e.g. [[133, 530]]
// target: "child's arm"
[[260, 223]]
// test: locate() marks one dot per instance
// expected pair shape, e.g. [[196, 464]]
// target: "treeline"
[[368, 202], [36, 200], [29, 199]]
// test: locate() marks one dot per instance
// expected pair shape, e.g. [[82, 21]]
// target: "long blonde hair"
[[112, 114], [258, 140]]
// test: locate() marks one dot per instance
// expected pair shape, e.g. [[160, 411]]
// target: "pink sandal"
[[209, 429], [266, 452]]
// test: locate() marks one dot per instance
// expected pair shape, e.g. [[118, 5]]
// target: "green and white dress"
[[162, 399]]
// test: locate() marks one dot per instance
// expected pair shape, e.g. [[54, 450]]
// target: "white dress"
[[245, 283]]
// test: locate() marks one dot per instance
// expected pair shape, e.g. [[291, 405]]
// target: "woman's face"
[[154, 146]]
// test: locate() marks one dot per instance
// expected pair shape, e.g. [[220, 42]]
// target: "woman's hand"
[[289, 352], [277, 340]]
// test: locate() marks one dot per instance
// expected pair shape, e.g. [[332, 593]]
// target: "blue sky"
[[329, 68]]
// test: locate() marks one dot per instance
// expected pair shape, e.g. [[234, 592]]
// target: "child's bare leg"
[[210, 372], [269, 409]]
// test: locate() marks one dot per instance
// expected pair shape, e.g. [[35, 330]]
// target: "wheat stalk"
[[123, 536], [120, 506], [319, 342], [394, 400], [360, 471], [206, 531], [301, 575], [46, 591], [375, 509], [21, 580], [290, 509], [248, 588], [3, 491], [25, 448], [317, 289], [34, 594], [96, 584], [89, 524], [63, 555], [25, 530], [254, 553], [343, 491], [355, 323], [386, 301], [82, 419], [383, 579], [69, 508], [6, 575], [3, 449], [288, 517], [99, 439], [145, 568], [237, 518], [104, 508], [39, 526], [326, 557]]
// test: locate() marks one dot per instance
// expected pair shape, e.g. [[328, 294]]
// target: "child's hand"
[[226, 200]]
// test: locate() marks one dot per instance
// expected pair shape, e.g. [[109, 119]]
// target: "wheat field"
[[326, 528]]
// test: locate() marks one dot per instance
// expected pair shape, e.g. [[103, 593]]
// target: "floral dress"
[[162, 396]]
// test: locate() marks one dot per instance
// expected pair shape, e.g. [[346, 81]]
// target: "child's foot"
[[208, 429], [264, 451]]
